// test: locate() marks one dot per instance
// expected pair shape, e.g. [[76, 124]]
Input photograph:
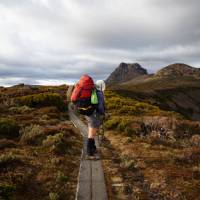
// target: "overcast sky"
[[55, 41]]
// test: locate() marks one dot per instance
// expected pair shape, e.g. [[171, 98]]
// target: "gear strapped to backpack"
[[83, 95]]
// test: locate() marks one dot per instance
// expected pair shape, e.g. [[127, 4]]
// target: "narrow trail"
[[91, 183]]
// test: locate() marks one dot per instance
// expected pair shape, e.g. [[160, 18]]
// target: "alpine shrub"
[[8, 128], [57, 143], [42, 99], [53, 196], [112, 123], [8, 159], [6, 191], [20, 110], [32, 134]]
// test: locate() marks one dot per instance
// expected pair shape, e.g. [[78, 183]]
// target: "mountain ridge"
[[179, 69], [175, 88], [123, 72]]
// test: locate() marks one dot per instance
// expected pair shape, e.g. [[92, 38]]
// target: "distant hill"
[[125, 72], [178, 70], [174, 87]]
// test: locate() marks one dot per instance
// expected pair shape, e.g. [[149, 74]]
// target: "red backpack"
[[81, 95]]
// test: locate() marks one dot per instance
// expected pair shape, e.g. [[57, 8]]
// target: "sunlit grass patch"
[[118, 104]]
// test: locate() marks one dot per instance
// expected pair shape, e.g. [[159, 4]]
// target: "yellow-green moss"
[[42, 99], [129, 106]]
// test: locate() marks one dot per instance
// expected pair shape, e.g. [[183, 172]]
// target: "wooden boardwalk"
[[91, 182]]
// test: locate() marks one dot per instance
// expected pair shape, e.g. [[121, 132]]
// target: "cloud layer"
[[53, 42]]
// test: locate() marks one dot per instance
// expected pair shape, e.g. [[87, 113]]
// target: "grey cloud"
[[49, 40]]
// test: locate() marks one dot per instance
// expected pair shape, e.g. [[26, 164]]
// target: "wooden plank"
[[84, 146], [84, 181], [78, 123], [98, 182]]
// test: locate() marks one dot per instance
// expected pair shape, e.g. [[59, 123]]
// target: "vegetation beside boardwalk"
[[39, 147], [149, 153], [41, 100]]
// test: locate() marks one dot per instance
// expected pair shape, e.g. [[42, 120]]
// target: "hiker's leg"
[[92, 132], [91, 147], [93, 126]]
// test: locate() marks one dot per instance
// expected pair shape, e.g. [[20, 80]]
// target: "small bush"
[[111, 123], [8, 159], [53, 196], [4, 143], [195, 140], [61, 177], [42, 99], [32, 134], [8, 128], [158, 141], [186, 130], [20, 110], [49, 109], [120, 125], [129, 131], [127, 162], [123, 125], [6, 191], [58, 143]]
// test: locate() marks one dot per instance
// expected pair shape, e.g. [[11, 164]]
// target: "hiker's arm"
[[104, 105], [101, 103]]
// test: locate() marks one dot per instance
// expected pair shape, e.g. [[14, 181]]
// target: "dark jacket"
[[101, 103]]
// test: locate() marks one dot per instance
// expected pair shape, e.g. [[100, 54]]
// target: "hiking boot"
[[90, 147], [94, 148]]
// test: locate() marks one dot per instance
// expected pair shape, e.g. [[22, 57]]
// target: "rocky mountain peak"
[[125, 72], [178, 70]]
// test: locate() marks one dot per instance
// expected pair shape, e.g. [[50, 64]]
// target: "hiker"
[[88, 99]]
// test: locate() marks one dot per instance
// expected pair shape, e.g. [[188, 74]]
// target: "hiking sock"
[[90, 146]]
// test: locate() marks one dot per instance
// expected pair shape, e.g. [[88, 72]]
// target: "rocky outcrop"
[[125, 72], [179, 70]]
